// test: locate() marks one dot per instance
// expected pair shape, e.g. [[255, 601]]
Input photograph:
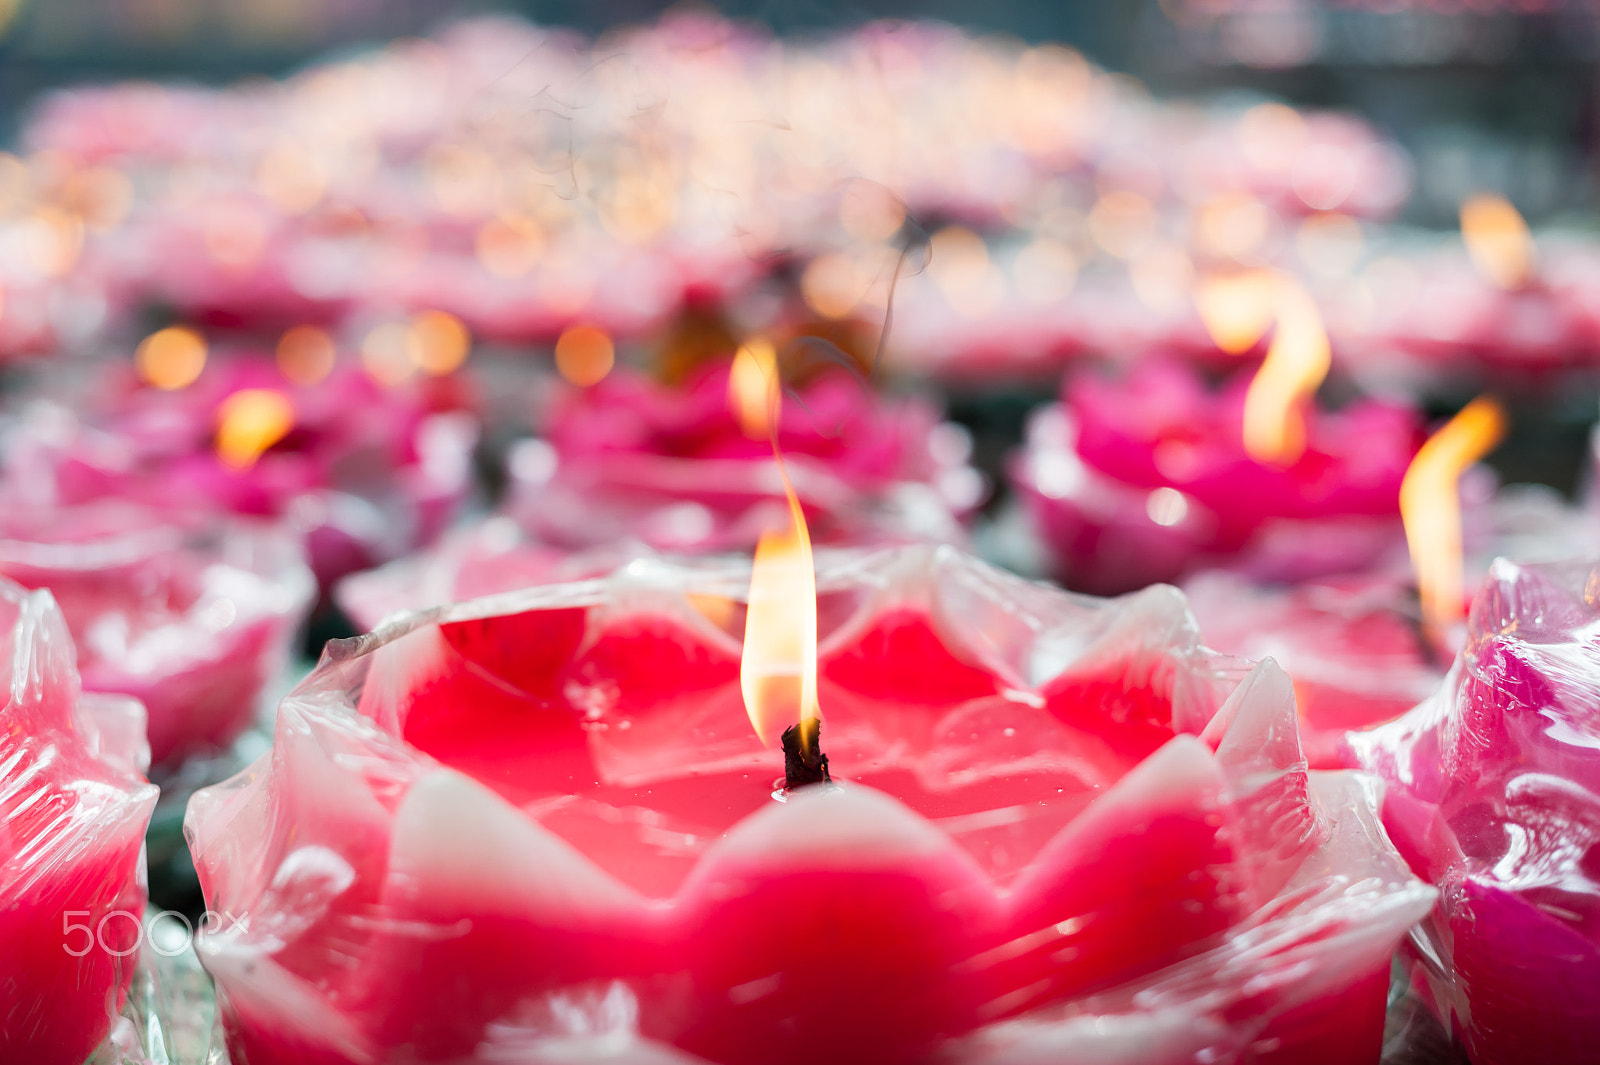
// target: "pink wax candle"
[[74, 805], [1147, 479], [674, 468], [192, 615], [541, 823], [1492, 796], [1359, 646]]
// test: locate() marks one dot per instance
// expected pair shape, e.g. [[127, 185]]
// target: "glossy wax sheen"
[[74, 805], [1494, 795], [542, 824]]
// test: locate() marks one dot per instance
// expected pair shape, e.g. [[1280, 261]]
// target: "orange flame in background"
[[1237, 309], [1296, 363], [585, 355], [1430, 506], [306, 354], [439, 342], [171, 358], [752, 390], [250, 421], [1498, 240], [778, 669]]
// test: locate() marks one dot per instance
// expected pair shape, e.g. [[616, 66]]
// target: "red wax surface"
[[1494, 795], [1040, 801], [74, 805]]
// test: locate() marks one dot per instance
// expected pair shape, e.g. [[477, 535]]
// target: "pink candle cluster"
[[540, 824], [1145, 478], [1429, 317], [362, 474], [408, 179], [74, 804], [1494, 796]]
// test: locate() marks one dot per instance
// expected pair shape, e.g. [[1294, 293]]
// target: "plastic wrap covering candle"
[[73, 808], [540, 825], [1354, 646], [675, 469], [1494, 795], [1146, 479], [192, 615]]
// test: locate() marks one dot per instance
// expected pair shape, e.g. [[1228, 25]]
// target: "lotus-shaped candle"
[[73, 809], [541, 825], [1495, 797], [192, 615], [1147, 479], [676, 469]]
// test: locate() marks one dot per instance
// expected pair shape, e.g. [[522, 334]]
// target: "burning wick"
[[778, 669], [803, 760]]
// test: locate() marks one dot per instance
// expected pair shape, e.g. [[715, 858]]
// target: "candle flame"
[[250, 421], [778, 669], [1237, 309], [751, 394], [171, 358], [439, 342], [306, 354], [1498, 240], [1296, 363], [585, 354], [1430, 506]]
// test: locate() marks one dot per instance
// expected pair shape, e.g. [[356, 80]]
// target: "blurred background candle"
[[361, 469], [1149, 478]]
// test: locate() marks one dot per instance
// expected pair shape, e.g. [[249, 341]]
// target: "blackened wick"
[[803, 760]]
